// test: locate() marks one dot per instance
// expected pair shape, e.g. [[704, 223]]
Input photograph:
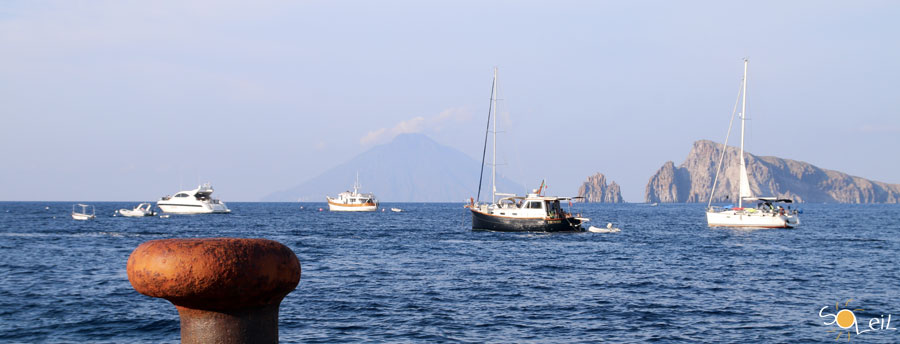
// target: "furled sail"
[[745, 182]]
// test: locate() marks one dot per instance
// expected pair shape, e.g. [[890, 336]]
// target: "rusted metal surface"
[[254, 325], [226, 290]]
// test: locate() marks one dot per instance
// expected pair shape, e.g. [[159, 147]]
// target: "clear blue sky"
[[129, 100]]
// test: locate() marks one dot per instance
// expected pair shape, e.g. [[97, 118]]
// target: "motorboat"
[[353, 200], [143, 209], [196, 201], [533, 212], [82, 213], [530, 213], [609, 229], [396, 210], [768, 213]]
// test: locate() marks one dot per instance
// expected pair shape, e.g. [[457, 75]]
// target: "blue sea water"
[[423, 276]]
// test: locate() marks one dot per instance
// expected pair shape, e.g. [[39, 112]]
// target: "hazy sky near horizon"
[[130, 100]]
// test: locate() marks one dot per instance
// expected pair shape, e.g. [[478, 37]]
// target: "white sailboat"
[[768, 212]]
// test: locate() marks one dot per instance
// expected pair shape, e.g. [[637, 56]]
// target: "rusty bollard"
[[226, 290]]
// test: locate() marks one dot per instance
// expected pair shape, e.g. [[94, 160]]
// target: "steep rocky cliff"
[[769, 176], [595, 190]]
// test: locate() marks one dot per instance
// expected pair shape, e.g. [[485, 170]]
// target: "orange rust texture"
[[215, 273]]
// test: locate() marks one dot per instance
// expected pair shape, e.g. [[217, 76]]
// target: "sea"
[[423, 276]]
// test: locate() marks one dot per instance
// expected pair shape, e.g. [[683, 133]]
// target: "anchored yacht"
[[511, 213], [768, 212], [530, 213], [353, 201], [196, 201]]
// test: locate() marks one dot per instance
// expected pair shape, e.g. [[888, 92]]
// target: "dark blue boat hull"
[[481, 221]]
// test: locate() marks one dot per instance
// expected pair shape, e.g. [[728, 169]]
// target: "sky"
[[130, 100]]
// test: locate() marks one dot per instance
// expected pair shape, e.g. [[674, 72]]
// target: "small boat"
[[396, 210], [654, 204], [353, 201], [83, 214], [196, 201], [533, 212], [609, 229], [143, 209], [767, 213]]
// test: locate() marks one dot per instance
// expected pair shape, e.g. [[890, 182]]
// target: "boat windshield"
[[507, 203]]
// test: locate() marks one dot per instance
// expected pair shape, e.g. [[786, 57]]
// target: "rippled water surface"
[[423, 276]]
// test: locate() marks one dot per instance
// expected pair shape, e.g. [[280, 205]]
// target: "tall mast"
[[494, 165], [487, 131], [743, 118]]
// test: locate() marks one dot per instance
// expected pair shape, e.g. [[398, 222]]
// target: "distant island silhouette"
[[769, 176], [410, 168]]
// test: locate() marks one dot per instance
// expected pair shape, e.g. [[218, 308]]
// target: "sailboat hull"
[[482, 221], [742, 219]]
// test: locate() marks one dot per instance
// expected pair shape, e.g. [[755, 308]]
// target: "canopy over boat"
[[769, 199], [542, 198]]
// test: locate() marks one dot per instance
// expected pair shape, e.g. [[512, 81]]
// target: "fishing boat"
[[769, 211], [353, 201], [533, 212], [196, 201], [143, 209], [82, 214]]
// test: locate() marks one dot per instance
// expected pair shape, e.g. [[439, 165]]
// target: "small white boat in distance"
[[83, 214], [396, 210], [353, 201], [196, 201], [609, 229], [143, 209]]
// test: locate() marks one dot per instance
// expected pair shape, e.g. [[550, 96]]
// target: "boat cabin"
[[529, 206], [356, 198]]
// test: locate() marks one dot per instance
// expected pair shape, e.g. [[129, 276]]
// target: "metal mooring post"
[[226, 290]]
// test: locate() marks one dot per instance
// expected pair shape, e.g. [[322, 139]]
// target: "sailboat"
[[768, 212], [353, 201], [533, 212]]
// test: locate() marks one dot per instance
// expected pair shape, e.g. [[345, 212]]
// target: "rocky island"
[[595, 190], [769, 176]]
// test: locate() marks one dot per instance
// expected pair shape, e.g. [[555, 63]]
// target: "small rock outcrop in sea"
[[769, 176], [595, 190]]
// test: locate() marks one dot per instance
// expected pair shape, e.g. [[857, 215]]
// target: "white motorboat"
[[82, 214], [768, 213], [196, 201], [143, 209], [353, 201], [609, 229], [396, 210]]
